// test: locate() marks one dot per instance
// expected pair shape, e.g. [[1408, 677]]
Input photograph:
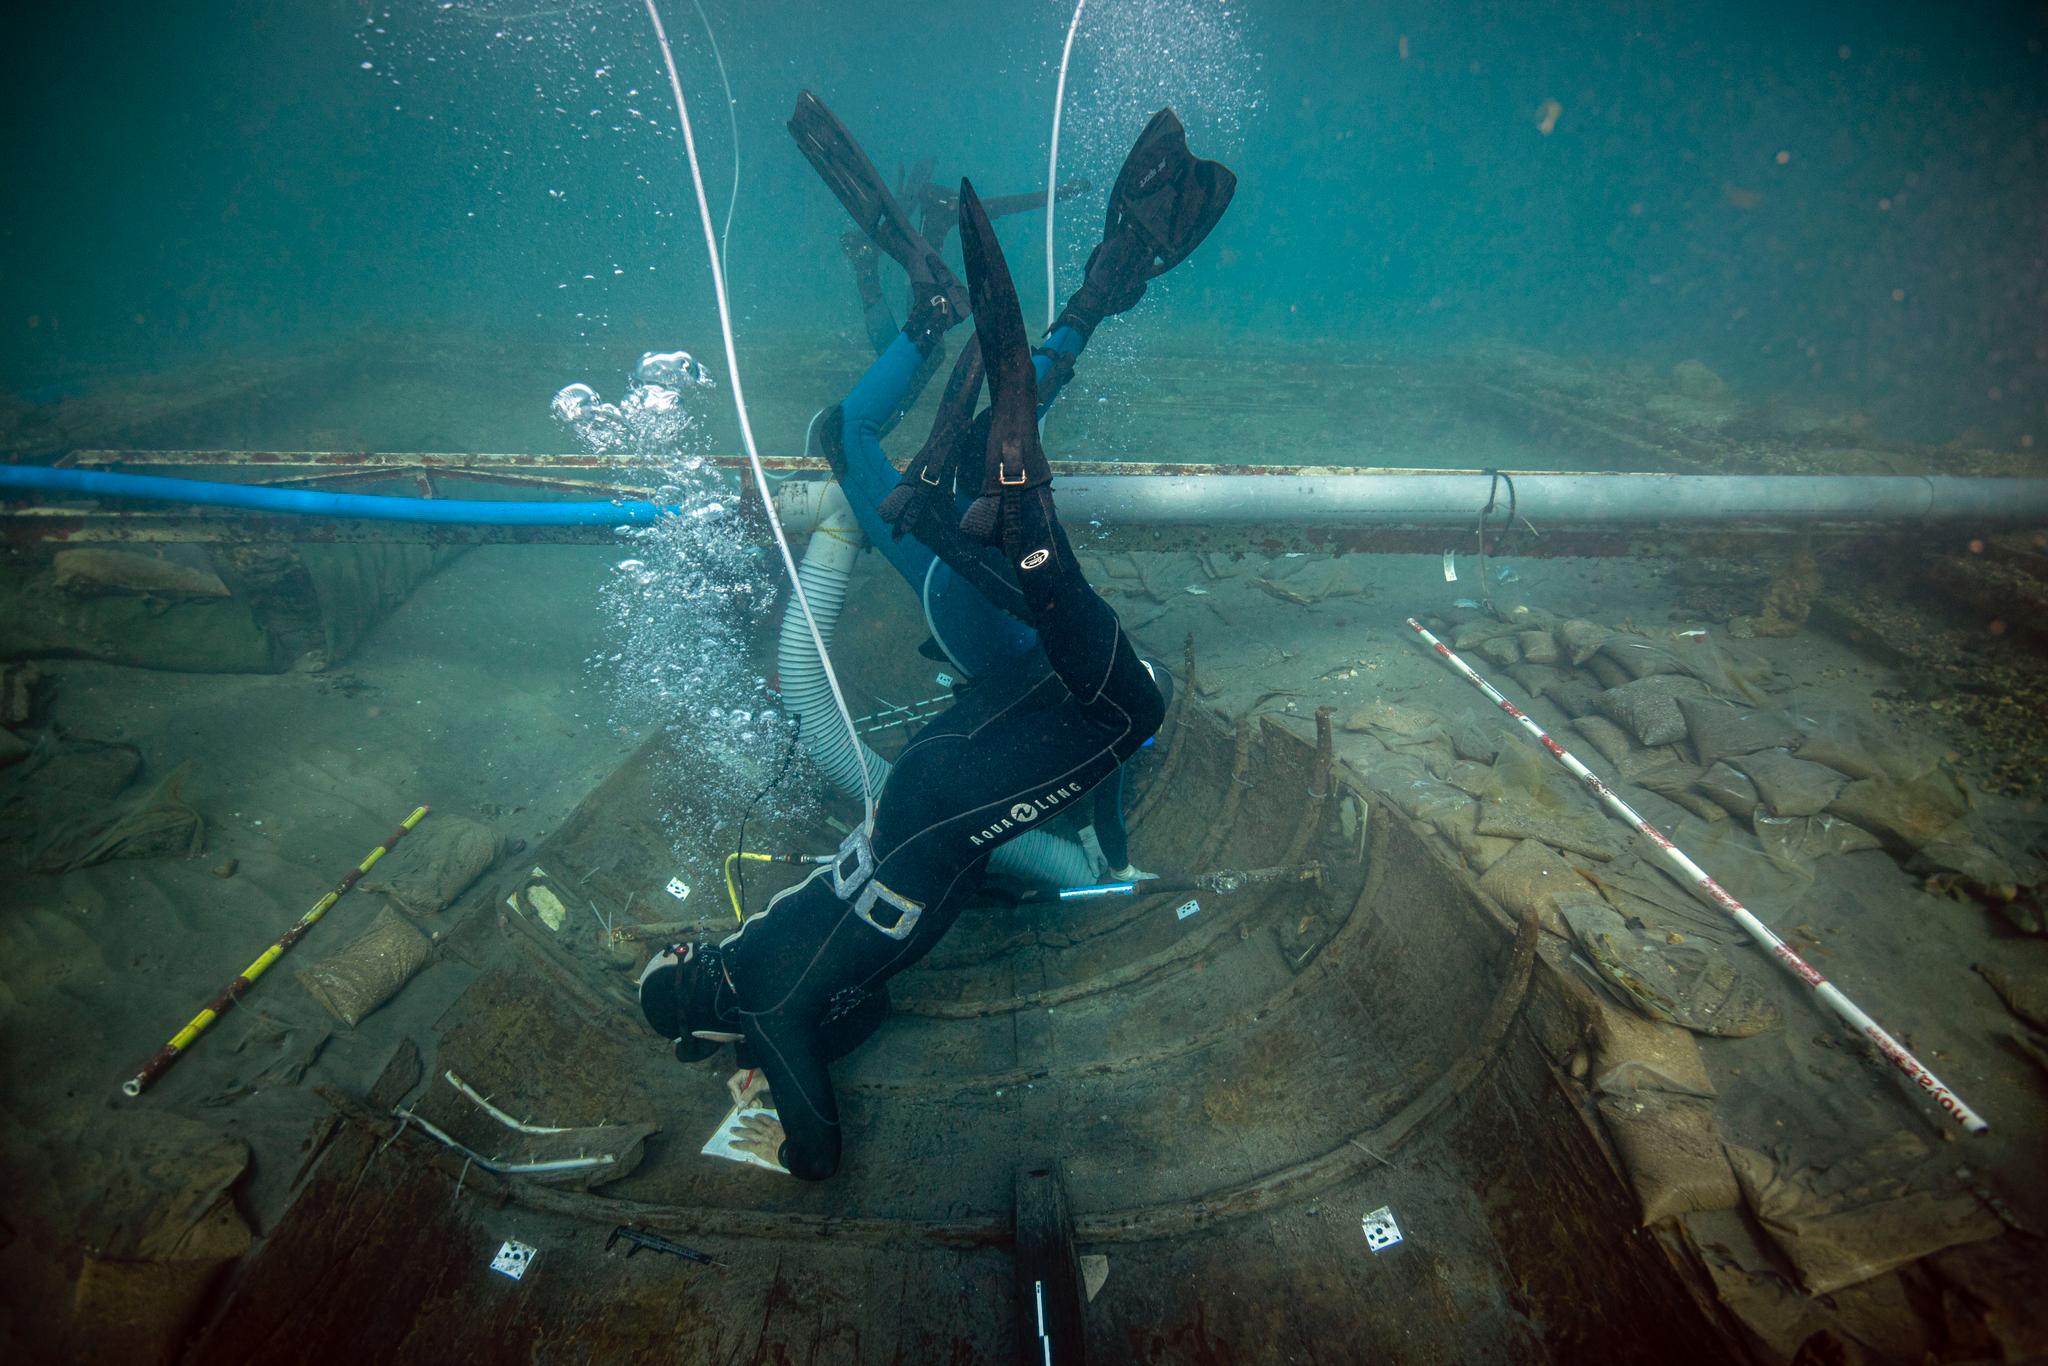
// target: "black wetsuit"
[[803, 979]]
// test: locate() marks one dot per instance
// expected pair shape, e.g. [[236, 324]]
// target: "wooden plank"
[[1049, 1294]]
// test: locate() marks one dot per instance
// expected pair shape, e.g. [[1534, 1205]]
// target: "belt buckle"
[[862, 848], [1003, 477], [908, 912]]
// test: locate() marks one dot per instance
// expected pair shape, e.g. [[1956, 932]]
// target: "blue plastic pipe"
[[313, 503]]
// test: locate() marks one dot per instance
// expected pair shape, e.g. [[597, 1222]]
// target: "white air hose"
[[1036, 857]]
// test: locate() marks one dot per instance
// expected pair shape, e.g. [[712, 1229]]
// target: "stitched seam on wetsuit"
[[819, 954], [802, 1094], [1019, 700], [773, 902], [1109, 749], [924, 600], [1102, 683], [936, 901], [846, 914]]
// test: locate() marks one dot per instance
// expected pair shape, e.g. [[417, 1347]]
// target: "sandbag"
[[1582, 639], [1472, 739], [1794, 842], [1395, 725], [1502, 650], [1675, 783], [1729, 789], [1648, 707], [1630, 760], [1640, 657], [1470, 635], [1535, 679], [53, 803], [162, 1229], [159, 824], [2025, 992], [437, 865], [1610, 674], [1688, 984], [370, 970], [1575, 695], [1672, 1152], [1723, 730], [1853, 1219], [1581, 832], [1534, 877], [1905, 815], [1791, 786], [1632, 1054]]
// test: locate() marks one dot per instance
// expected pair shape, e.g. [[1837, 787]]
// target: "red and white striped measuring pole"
[[1947, 1101]]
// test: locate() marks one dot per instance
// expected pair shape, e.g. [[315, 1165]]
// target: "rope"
[[739, 402]]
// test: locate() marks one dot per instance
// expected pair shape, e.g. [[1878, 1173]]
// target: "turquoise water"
[[1835, 203]]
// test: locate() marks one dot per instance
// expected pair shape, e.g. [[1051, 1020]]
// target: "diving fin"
[[1166, 200], [855, 182], [1167, 195], [1014, 462]]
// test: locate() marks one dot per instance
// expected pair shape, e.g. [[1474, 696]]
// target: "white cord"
[[739, 403], [732, 118], [1052, 171]]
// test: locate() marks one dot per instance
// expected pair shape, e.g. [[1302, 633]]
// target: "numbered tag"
[[678, 888], [1381, 1232], [513, 1259]]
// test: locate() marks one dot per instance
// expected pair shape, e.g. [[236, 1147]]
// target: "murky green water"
[[446, 208]]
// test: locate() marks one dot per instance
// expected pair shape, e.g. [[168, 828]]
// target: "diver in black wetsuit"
[[978, 631], [805, 980]]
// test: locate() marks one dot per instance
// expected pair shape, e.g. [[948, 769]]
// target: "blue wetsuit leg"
[[869, 476]]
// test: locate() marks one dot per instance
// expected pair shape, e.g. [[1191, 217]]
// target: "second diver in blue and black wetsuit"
[[977, 626], [806, 979]]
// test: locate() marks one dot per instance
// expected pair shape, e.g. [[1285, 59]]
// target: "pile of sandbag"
[[1758, 793], [1678, 716]]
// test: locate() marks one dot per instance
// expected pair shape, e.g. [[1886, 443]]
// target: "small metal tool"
[[640, 1238]]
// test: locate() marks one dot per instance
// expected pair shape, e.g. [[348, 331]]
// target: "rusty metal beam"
[[1140, 505], [86, 527], [225, 463]]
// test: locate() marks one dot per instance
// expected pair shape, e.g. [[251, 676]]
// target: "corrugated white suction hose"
[[827, 565]]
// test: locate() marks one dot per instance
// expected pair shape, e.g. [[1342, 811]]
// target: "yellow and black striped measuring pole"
[[232, 992]]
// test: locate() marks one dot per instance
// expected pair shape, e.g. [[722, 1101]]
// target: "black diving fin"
[[1165, 202], [1167, 195], [926, 491], [1014, 462], [855, 182]]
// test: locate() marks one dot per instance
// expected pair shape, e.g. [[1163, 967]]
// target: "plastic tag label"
[[1450, 566], [678, 888], [1381, 1232], [513, 1259], [1187, 908]]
